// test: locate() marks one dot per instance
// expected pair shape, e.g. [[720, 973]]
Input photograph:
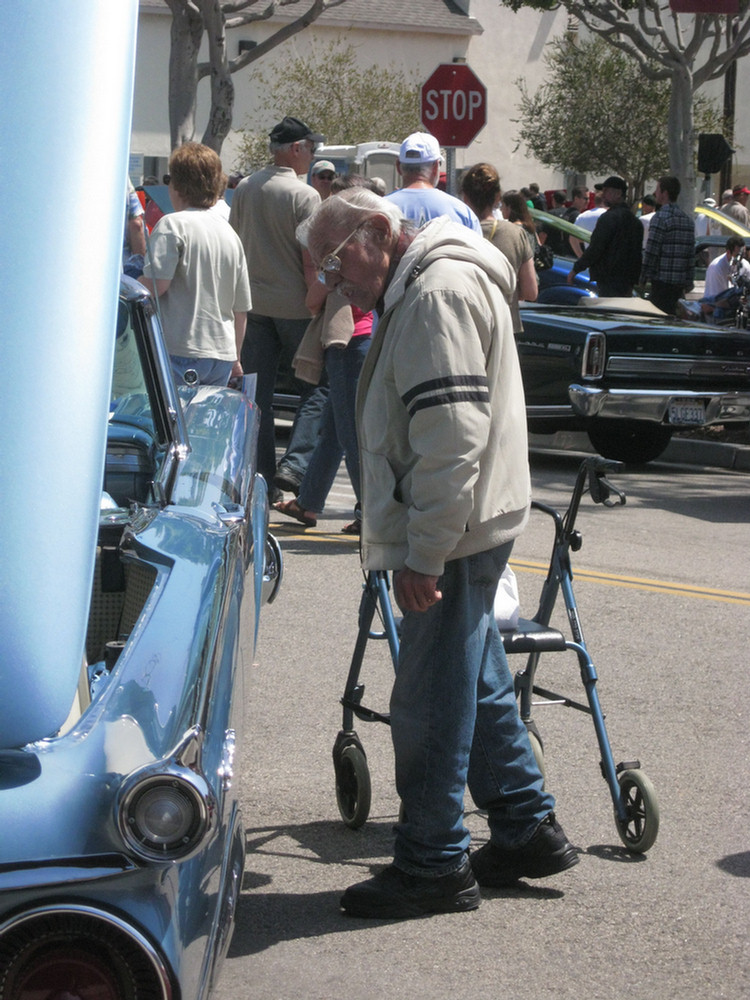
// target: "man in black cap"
[[613, 256], [266, 209]]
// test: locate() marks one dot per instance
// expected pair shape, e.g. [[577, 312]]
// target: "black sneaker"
[[287, 481], [547, 853], [394, 895]]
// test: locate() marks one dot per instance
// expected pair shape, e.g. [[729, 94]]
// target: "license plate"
[[687, 412]]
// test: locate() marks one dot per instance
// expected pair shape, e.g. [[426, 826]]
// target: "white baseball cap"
[[419, 147]]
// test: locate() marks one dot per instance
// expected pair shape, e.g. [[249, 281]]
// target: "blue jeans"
[[338, 432], [305, 432], [454, 720], [270, 344]]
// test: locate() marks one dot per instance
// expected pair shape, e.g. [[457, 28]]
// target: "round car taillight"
[[68, 976], [163, 816], [78, 954]]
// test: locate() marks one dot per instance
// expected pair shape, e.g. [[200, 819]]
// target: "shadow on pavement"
[[265, 919], [736, 864]]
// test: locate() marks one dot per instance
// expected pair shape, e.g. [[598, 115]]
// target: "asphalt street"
[[664, 595]]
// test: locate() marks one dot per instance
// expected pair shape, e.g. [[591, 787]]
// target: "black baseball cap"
[[291, 129], [612, 182]]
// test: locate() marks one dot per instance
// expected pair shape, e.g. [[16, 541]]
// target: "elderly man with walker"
[[446, 489]]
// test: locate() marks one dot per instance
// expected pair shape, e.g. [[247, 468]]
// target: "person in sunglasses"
[[445, 490], [322, 175]]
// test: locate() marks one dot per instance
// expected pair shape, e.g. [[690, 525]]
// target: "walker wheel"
[[637, 832], [538, 749], [353, 787]]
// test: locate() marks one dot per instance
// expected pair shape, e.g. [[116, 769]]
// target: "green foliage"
[[516, 5], [597, 113], [338, 95]]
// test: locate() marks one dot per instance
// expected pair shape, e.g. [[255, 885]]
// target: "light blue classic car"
[[135, 559]]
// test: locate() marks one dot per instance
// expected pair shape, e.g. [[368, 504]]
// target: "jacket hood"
[[442, 238]]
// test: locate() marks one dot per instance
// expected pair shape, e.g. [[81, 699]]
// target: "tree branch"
[[311, 15]]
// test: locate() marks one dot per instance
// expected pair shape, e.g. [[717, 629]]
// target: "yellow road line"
[[285, 529], [643, 583], [540, 569]]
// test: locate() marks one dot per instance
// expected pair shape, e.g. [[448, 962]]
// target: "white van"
[[372, 159]]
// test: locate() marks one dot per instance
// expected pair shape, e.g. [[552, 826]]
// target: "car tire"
[[634, 442]]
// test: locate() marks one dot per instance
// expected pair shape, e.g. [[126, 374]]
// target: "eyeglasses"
[[331, 263]]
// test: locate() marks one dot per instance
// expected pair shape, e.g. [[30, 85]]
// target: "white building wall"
[[511, 46]]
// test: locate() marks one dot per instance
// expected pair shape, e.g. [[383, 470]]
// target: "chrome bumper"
[[653, 404]]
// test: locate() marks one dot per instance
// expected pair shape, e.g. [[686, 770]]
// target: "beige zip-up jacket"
[[440, 408]]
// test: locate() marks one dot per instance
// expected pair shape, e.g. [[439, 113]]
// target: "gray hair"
[[342, 213]]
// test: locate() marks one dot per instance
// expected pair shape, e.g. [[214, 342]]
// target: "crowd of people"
[[397, 313]]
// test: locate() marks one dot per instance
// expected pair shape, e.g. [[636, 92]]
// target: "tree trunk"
[[186, 35], [682, 135], [222, 87]]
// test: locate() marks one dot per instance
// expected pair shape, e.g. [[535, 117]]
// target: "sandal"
[[292, 509], [355, 528]]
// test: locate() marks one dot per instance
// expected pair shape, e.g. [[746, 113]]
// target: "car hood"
[[640, 330], [59, 293]]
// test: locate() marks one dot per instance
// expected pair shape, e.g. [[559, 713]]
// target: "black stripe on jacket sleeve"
[[447, 382], [450, 389]]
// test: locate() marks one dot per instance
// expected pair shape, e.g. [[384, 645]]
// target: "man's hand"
[[571, 275], [415, 591]]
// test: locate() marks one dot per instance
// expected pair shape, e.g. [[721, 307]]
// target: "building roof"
[[438, 16], [427, 16]]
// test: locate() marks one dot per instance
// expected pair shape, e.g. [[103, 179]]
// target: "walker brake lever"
[[602, 490]]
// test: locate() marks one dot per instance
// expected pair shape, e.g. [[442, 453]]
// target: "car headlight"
[[165, 815]]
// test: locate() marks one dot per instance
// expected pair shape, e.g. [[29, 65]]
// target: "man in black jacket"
[[613, 256]]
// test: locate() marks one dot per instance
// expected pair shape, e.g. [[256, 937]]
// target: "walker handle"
[[600, 488]]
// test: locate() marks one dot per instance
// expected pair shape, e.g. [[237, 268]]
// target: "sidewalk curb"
[[679, 451]]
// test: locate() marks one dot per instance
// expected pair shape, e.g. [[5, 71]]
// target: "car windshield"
[[132, 440], [127, 371]]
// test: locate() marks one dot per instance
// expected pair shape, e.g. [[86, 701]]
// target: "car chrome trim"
[[62, 872], [551, 411], [686, 367], [653, 404], [154, 958], [226, 767], [180, 769]]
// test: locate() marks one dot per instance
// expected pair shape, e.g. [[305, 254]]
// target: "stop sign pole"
[[454, 109]]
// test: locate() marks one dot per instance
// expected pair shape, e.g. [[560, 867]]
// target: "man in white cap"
[[419, 198], [322, 176]]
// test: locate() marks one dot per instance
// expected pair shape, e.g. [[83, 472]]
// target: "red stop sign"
[[454, 104]]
